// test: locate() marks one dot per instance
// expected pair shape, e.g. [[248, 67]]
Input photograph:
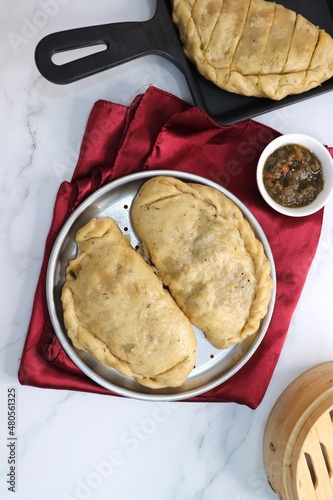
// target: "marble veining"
[[71, 445]]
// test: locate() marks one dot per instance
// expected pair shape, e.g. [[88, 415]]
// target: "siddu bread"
[[254, 47], [115, 307], [208, 256]]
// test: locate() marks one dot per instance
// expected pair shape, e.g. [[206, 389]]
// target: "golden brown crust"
[[207, 254], [254, 47], [115, 307]]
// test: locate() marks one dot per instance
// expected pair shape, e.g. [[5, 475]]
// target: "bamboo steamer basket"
[[298, 438]]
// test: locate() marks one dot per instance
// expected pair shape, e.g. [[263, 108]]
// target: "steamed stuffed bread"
[[115, 308], [254, 47], [206, 253]]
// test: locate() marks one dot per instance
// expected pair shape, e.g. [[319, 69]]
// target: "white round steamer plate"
[[213, 366]]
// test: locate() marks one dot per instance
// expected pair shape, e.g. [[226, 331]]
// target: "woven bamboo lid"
[[298, 438]]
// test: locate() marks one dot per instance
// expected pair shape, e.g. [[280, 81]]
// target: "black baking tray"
[[158, 35]]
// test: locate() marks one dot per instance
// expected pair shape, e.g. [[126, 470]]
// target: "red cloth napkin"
[[160, 131]]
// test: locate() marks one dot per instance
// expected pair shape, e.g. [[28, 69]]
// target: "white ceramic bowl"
[[327, 164]]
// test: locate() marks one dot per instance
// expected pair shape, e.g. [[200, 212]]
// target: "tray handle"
[[123, 42]]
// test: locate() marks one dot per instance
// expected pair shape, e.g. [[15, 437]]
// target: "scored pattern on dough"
[[254, 47]]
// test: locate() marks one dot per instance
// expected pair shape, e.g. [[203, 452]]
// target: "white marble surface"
[[79, 446]]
